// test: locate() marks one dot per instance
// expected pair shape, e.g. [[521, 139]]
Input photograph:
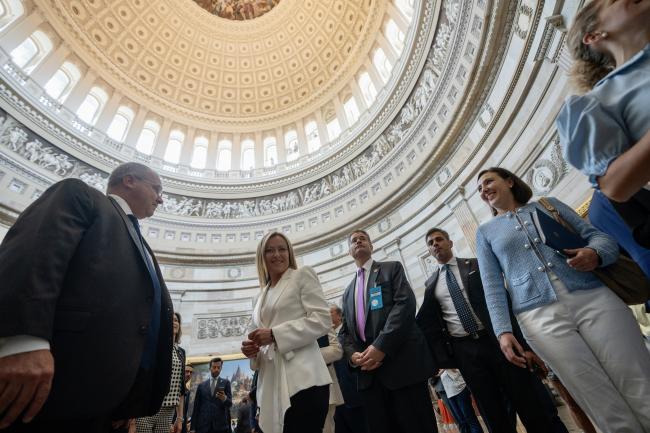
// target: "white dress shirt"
[[449, 313]]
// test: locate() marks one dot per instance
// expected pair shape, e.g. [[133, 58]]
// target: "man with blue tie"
[[456, 323], [212, 402], [82, 290], [384, 346]]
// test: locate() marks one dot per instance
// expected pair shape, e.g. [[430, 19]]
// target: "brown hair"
[[436, 230], [590, 66], [177, 338], [262, 271], [365, 233], [520, 189]]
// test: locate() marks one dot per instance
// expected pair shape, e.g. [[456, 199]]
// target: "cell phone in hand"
[[220, 389]]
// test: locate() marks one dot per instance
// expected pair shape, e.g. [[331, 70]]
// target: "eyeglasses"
[[156, 187], [279, 250]]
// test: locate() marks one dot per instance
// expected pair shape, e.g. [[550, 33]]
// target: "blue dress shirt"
[[597, 127]]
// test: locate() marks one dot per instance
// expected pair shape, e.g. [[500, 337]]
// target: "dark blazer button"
[[143, 329]]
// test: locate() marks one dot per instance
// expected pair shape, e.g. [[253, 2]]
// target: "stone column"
[[458, 205], [302, 138], [108, 112], [162, 140], [136, 127], [280, 145], [44, 71], [187, 150], [80, 91]]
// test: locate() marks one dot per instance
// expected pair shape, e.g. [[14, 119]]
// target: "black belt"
[[475, 336]]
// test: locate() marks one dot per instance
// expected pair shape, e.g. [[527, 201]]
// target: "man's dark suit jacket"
[[73, 273], [434, 327], [210, 414], [390, 329]]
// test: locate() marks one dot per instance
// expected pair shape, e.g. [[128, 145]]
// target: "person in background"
[[605, 131], [331, 349], [186, 398], [289, 316], [212, 402], [577, 325], [83, 306], [350, 417], [460, 401], [171, 411], [244, 416], [384, 345]]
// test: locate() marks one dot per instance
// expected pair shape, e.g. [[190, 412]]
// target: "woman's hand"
[[249, 348], [512, 350], [261, 336], [582, 259]]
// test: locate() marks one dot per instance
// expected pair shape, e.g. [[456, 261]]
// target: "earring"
[[604, 35]]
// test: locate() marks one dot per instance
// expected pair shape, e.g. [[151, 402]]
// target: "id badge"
[[376, 301]]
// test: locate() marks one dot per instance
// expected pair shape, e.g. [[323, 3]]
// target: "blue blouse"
[[597, 127]]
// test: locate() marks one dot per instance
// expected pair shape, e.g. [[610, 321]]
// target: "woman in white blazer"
[[289, 316]]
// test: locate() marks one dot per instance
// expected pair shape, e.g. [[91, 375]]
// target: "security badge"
[[376, 301]]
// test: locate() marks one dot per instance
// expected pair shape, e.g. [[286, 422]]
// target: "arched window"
[[120, 124], [174, 146], [351, 110], [90, 108], [247, 154], [224, 155], [313, 140], [148, 136], [10, 10], [62, 82], [291, 143], [333, 128], [382, 64], [395, 36], [270, 152], [367, 88], [32, 51], [200, 155]]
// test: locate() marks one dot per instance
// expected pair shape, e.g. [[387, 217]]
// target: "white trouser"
[[591, 341]]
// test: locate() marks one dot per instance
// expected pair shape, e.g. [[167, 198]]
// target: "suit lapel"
[[349, 306], [463, 270], [129, 227], [280, 287]]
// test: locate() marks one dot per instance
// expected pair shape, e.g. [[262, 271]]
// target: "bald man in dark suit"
[[85, 317]]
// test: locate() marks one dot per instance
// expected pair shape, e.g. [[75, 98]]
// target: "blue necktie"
[[460, 303], [149, 354]]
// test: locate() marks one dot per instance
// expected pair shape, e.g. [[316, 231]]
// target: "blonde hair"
[[262, 271], [590, 66]]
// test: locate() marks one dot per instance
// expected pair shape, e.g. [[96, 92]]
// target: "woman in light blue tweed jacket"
[[577, 325]]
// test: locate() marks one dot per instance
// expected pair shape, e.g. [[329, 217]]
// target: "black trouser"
[[403, 410], [308, 410], [490, 376], [350, 419]]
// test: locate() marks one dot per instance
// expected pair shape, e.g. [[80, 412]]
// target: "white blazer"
[[294, 363]]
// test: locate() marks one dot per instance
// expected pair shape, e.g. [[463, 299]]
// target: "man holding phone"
[[212, 402]]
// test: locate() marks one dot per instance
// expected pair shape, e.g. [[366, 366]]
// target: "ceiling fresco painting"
[[238, 10]]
